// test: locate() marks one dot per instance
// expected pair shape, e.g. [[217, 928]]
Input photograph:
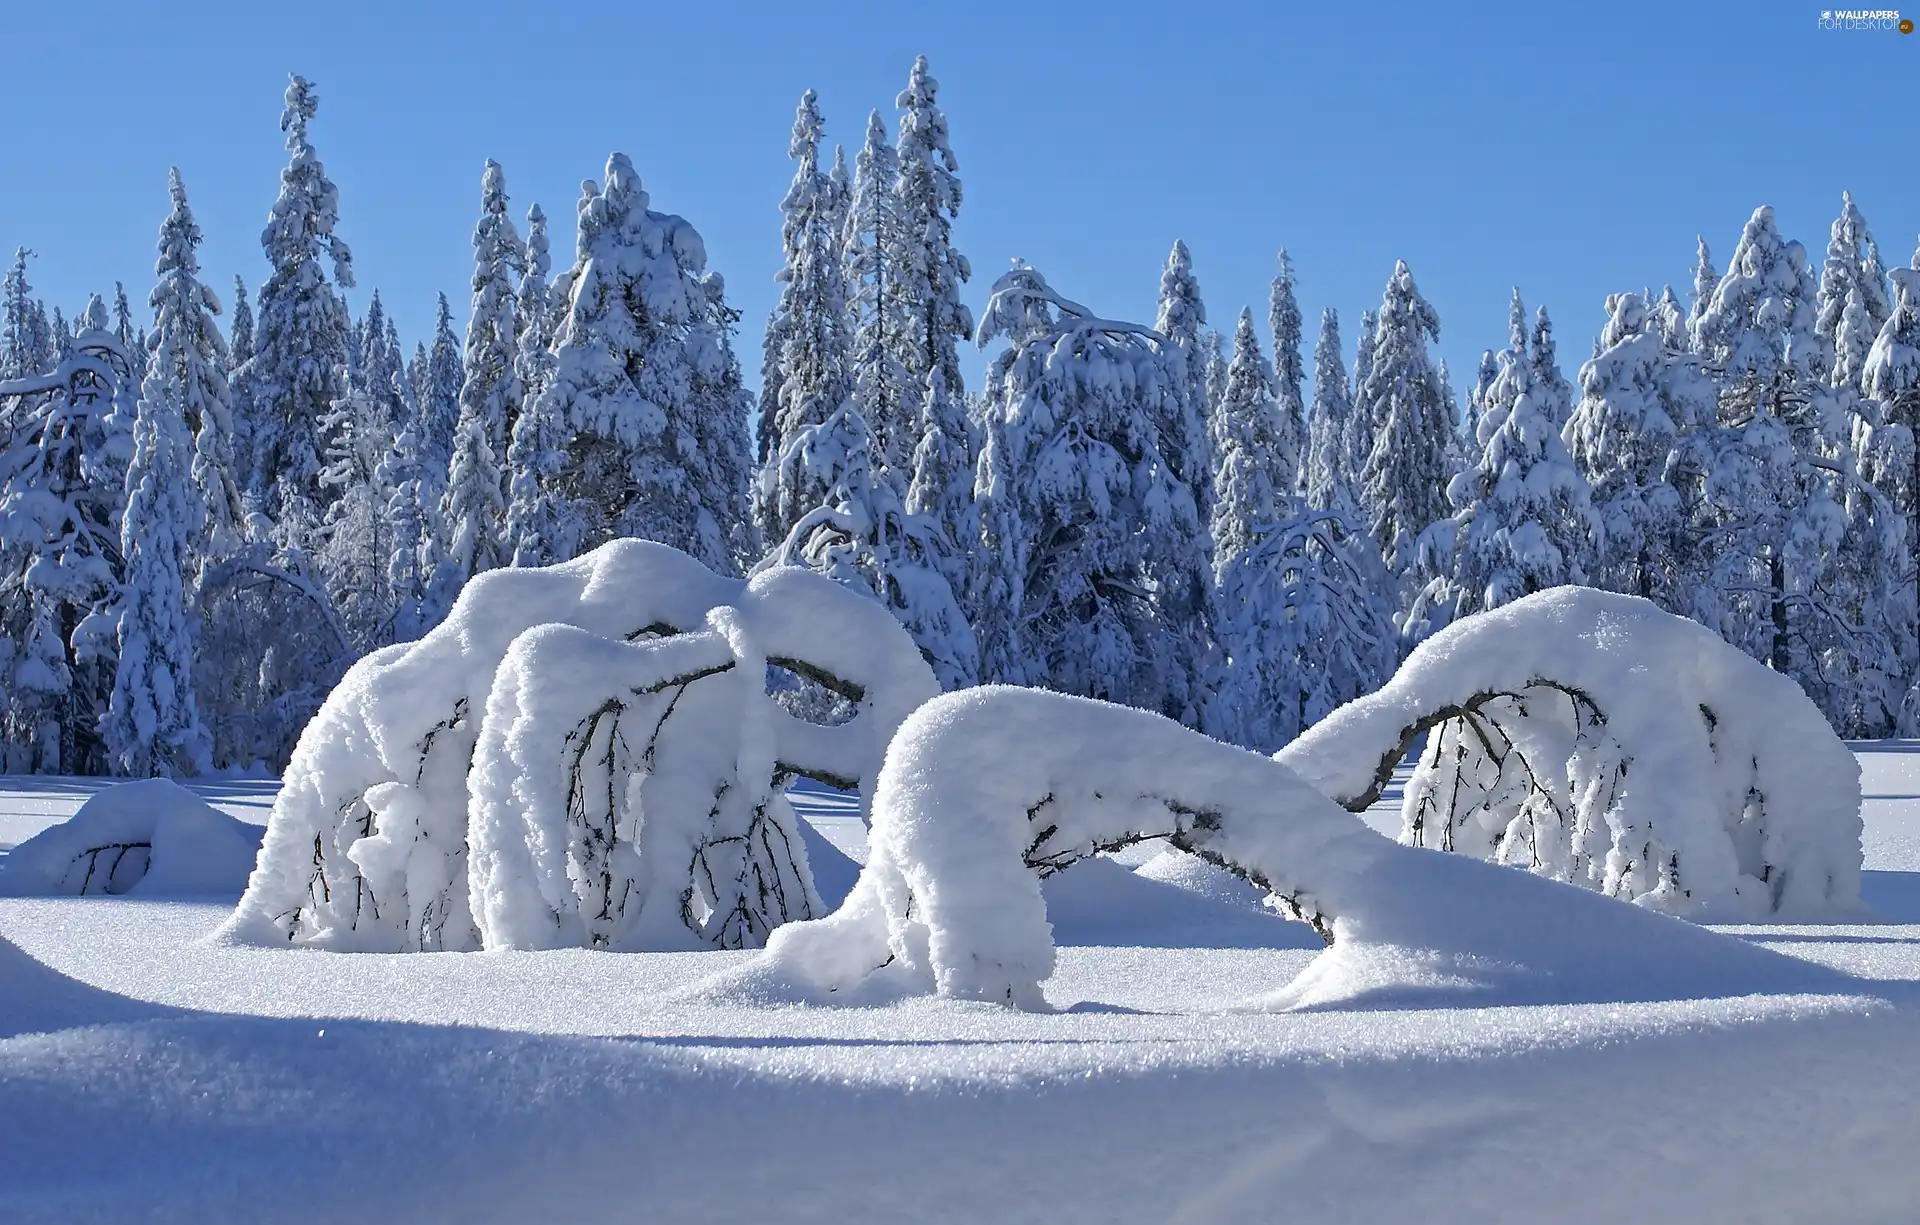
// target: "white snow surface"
[[151, 838], [149, 1074], [1679, 773]]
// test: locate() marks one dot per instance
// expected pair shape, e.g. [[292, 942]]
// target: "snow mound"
[[1196, 875], [36, 998], [988, 791], [151, 838], [1601, 741], [501, 782]]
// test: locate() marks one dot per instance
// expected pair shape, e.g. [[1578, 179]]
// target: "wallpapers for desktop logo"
[[1873, 20]]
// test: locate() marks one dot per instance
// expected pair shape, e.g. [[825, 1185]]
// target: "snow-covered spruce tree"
[[644, 323], [1705, 281], [871, 251], [1328, 484], [721, 410], [535, 309], [19, 347], [1253, 480], [1621, 436], [805, 379], [152, 726], [926, 270], [297, 368], [63, 464], [1556, 394], [940, 489], [416, 570], [1403, 486], [240, 338], [860, 535], [1852, 303], [1283, 320], [1782, 484], [1077, 503], [1521, 521], [239, 349], [1180, 318], [1307, 625], [437, 389], [1360, 429], [1892, 377], [187, 335], [474, 507], [1669, 321], [1181, 573]]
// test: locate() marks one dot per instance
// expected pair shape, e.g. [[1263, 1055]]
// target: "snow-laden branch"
[[1596, 739], [589, 730], [988, 790]]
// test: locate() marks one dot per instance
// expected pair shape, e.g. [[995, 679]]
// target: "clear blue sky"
[[1572, 150]]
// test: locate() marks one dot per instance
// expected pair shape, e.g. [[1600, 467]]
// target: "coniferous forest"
[[213, 501]]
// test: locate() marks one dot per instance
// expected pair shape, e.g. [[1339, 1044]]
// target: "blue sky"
[[1549, 146]]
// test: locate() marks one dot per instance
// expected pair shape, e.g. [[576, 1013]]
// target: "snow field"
[[521, 1086]]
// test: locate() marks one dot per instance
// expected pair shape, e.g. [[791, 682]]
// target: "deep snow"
[[217, 1081]]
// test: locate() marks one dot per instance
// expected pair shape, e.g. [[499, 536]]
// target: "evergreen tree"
[[1705, 281], [1620, 438], [1892, 377], [536, 451], [1852, 302], [1556, 394], [871, 251], [416, 564], [926, 270], [19, 351], [1077, 505], [1253, 474], [1403, 483], [1307, 625], [474, 507], [187, 335], [63, 465], [1360, 429], [859, 534], [152, 725], [1781, 483], [1180, 319], [1283, 320], [641, 374], [1521, 520], [1328, 483], [805, 380], [296, 370], [438, 390], [240, 339]]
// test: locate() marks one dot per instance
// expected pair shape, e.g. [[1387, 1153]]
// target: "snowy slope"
[[545, 1086]]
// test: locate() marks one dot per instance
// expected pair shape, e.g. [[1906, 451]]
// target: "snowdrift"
[[151, 838], [988, 791], [582, 754], [1595, 739]]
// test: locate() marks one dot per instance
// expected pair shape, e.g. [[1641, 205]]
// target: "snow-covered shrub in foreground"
[[987, 791], [575, 754], [1598, 740], [150, 838]]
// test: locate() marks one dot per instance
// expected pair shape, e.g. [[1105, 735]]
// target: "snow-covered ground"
[[146, 1074]]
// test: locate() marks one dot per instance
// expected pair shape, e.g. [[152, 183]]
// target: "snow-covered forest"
[[213, 504]]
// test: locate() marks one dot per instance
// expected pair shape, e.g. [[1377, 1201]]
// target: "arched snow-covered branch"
[[524, 732], [1596, 739], [988, 790]]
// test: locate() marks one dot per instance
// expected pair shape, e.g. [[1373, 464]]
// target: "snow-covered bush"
[[1595, 739], [988, 791], [577, 754], [149, 838]]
